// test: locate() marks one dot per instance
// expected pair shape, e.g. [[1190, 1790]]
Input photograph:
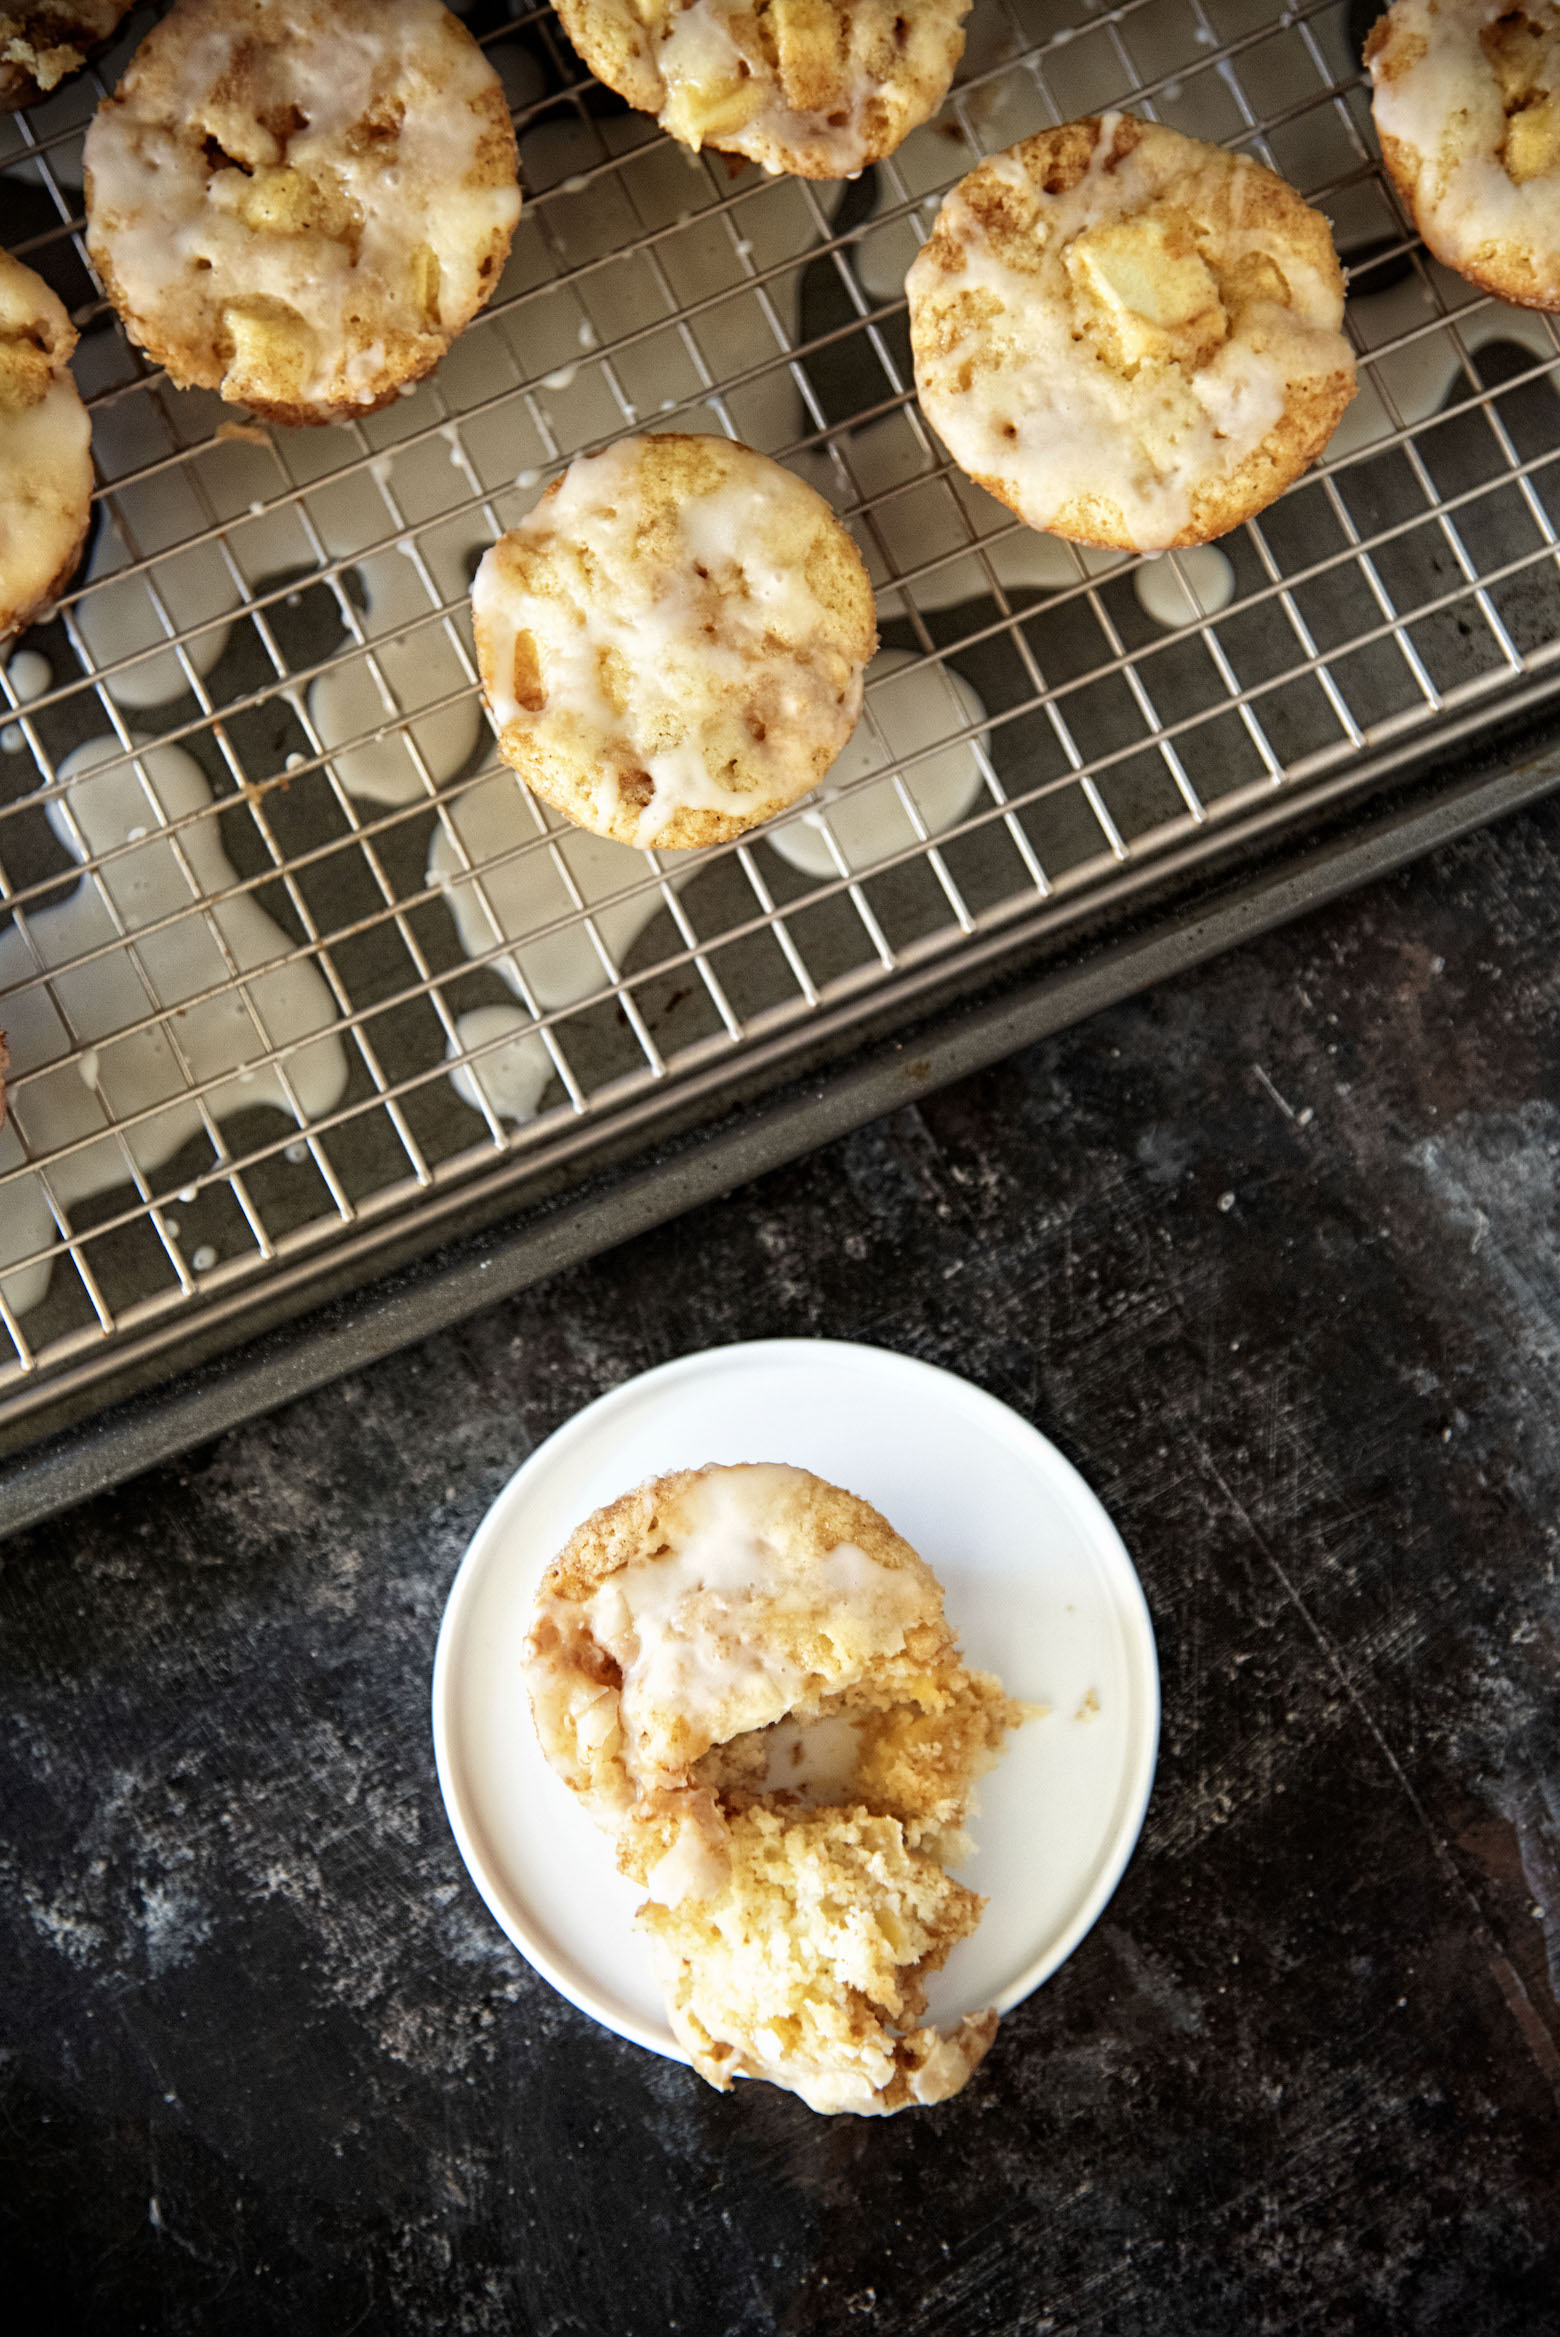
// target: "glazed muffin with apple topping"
[[818, 88], [300, 203], [45, 448], [1466, 99], [672, 643], [1130, 338]]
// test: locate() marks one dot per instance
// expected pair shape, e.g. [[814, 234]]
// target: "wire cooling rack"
[[289, 961]]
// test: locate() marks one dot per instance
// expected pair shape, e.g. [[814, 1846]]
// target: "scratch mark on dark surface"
[[1540, 2042]]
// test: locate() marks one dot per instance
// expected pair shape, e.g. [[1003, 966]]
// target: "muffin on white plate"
[[1466, 100], [746, 1677], [45, 448], [672, 643], [300, 203], [1131, 338], [818, 88], [43, 42]]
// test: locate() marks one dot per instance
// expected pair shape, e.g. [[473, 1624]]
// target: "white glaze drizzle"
[[693, 1630], [722, 1631]]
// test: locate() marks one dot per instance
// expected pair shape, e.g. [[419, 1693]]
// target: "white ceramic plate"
[[1039, 1589]]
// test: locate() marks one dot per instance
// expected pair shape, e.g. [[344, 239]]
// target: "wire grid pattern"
[[284, 949]]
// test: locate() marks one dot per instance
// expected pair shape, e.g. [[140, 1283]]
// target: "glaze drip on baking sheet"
[[146, 952]]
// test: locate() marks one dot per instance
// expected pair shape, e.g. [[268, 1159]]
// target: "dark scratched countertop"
[[1274, 1255]]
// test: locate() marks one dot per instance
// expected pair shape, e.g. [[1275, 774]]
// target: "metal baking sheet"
[[296, 975]]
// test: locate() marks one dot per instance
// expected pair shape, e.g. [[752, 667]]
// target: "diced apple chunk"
[[529, 690], [26, 370], [1158, 296], [273, 350], [807, 38], [693, 114], [1517, 48], [1255, 276], [276, 202], [1532, 142], [426, 276]]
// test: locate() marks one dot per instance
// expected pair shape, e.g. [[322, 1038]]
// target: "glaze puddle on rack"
[[107, 972]]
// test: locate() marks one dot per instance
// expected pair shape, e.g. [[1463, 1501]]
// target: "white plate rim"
[[578, 1428]]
